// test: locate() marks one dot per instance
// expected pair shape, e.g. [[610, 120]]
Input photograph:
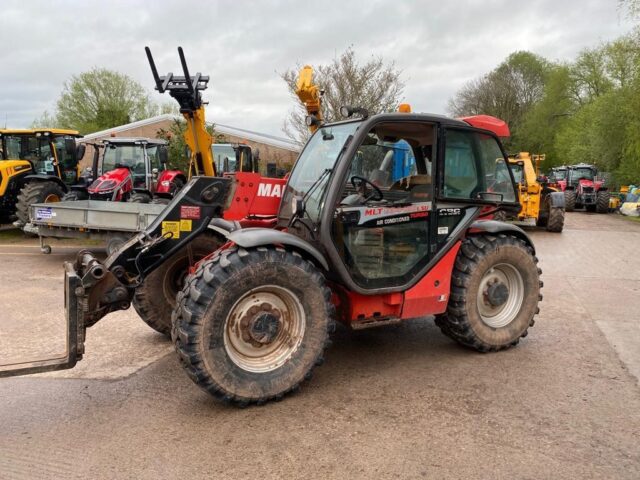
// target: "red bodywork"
[[487, 122], [255, 196], [429, 296], [119, 177], [166, 181]]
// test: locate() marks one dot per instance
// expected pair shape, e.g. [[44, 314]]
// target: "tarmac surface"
[[396, 402]]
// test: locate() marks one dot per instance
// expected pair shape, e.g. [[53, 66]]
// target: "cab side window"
[[474, 164]]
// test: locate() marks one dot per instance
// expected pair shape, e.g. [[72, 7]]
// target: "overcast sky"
[[243, 45]]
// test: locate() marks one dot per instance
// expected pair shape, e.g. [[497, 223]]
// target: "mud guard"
[[492, 226], [556, 200], [48, 178], [257, 237]]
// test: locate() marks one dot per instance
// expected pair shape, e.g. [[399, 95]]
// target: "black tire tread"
[[454, 323], [32, 193], [570, 200], [191, 304], [602, 202], [555, 222]]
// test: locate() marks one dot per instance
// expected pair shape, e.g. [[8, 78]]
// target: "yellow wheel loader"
[[539, 201], [36, 166]]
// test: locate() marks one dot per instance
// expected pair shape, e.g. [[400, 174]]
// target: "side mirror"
[[70, 146], [297, 206], [163, 154], [79, 150]]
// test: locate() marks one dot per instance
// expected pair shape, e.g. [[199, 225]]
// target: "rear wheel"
[[569, 200], [251, 325], [555, 221], [602, 202], [494, 294], [155, 299], [37, 192], [138, 197]]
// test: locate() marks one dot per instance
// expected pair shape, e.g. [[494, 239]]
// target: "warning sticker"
[[44, 213], [190, 212], [185, 225], [172, 228], [443, 230]]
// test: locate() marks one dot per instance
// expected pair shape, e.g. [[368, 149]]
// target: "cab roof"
[[31, 131], [483, 122], [134, 140]]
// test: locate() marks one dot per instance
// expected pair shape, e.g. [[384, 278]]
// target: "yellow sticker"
[[171, 227], [185, 225]]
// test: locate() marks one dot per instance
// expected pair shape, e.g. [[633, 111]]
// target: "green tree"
[[374, 85], [46, 120], [539, 128], [178, 150], [101, 99]]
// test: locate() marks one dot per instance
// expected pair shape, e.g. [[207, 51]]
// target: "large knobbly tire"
[[75, 195], [569, 200], [36, 192], [555, 221], [155, 299], [251, 325], [138, 197], [602, 202], [483, 264]]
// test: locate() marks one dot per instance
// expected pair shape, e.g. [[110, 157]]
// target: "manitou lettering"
[[269, 190]]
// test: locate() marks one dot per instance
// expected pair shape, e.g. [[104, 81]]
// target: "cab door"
[[382, 223], [472, 175]]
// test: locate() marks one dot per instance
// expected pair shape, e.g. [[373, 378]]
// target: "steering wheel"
[[358, 182]]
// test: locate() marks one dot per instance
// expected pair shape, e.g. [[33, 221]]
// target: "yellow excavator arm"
[[311, 97]]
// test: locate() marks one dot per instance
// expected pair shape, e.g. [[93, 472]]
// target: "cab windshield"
[[131, 156], [560, 174], [578, 173], [25, 147], [311, 173]]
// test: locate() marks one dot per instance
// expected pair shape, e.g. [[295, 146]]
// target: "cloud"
[[243, 45]]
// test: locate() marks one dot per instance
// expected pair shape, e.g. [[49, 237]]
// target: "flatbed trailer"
[[112, 222]]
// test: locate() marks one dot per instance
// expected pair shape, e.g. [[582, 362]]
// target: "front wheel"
[[138, 197], [250, 325], [602, 201], [570, 200], [75, 195], [494, 294]]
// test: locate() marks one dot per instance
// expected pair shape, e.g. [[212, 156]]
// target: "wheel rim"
[[264, 328], [500, 295], [51, 198]]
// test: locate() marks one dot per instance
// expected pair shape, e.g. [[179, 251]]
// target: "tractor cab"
[[126, 169], [380, 230], [44, 159]]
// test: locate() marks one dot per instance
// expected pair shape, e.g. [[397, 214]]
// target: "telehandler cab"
[[36, 166], [254, 317]]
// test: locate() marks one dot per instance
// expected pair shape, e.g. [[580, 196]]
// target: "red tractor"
[[583, 189], [254, 316], [130, 169]]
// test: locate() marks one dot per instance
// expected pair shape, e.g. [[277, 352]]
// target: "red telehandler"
[[254, 317]]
